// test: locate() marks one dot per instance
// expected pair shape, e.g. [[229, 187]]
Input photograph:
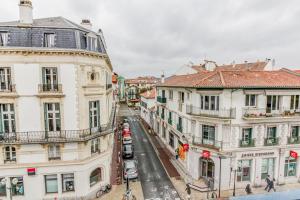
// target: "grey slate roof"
[[68, 34]]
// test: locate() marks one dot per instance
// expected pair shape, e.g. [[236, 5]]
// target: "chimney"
[[86, 23], [25, 11], [163, 78]]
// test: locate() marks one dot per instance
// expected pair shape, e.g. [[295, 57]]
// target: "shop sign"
[[31, 171], [294, 154], [205, 154], [257, 154]]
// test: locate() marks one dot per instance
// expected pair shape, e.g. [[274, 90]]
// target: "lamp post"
[[233, 194]]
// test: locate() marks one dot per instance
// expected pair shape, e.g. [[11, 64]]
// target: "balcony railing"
[[209, 143], [247, 143], [294, 140], [51, 88], [223, 113], [265, 112], [271, 141], [44, 137], [8, 89], [161, 99], [170, 121], [179, 127]]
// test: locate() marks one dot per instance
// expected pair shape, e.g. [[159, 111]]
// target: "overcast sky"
[[146, 37]]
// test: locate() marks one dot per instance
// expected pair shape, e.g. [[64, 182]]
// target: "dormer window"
[[49, 40], [3, 39], [91, 43]]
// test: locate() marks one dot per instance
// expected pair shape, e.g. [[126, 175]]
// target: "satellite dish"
[[3, 181], [15, 181]]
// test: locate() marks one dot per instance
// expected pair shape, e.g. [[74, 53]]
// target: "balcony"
[[161, 99], [170, 121], [271, 141], [247, 143], [64, 136], [255, 113], [8, 91], [50, 90], [208, 143], [223, 113], [294, 140], [179, 128]]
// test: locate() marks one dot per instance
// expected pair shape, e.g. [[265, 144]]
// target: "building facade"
[[148, 106], [56, 109], [246, 120]]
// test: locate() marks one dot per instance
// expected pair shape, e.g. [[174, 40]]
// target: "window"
[[171, 139], [95, 143], [246, 135], [49, 40], [271, 132], [171, 94], [295, 102], [290, 167], [94, 110], [67, 182], [7, 118], [3, 39], [51, 183], [181, 97], [188, 96], [54, 152], [52, 116], [95, 177], [208, 134], [163, 93], [18, 188], [50, 79], [272, 103], [2, 188], [250, 100], [267, 167], [5, 79], [91, 43], [209, 102], [295, 132], [10, 154], [244, 170]]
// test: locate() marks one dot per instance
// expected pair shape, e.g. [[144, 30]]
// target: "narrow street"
[[152, 175]]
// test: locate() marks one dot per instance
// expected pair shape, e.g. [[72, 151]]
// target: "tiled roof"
[[150, 94], [236, 79], [256, 66]]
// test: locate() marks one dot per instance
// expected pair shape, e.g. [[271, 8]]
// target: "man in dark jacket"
[[271, 186], [268, 180]]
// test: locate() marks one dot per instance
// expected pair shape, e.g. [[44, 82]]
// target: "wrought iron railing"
[[9, 88], [210, 143], [294, 140], [247, 143], [64, 136], [221, 113], [50, 88], [271, 141], [161, 99]]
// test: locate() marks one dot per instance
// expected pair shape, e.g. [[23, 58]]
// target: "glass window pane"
[[51, 184]]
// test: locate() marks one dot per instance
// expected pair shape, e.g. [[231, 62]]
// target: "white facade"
[[223, 129], [146, 112]]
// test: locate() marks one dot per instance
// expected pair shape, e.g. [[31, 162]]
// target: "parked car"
[[126, 132], [130, 169], [128, 151], [126, 126], [127, 140]]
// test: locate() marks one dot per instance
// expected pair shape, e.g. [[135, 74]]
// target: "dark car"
[[128, 151]]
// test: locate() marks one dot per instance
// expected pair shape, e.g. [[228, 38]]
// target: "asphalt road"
[[154, 179]]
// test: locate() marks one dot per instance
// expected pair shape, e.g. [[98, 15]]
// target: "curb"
[[157, 153]]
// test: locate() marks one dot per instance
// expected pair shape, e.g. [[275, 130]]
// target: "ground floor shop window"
[[290, 167], [95, 177], [51, 184], [2, 187], [171, 140], [17, 186], [67, 182], [267, 167], [244, 170]]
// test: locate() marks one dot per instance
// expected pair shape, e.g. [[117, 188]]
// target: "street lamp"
[[234, 178], [5, 182], [220, 173]]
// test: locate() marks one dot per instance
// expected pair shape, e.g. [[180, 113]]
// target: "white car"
[[127, 140]]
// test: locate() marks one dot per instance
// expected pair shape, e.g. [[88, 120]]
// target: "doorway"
[[207, 168]]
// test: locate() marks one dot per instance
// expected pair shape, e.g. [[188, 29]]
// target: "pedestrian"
[[176, 153], [188, 191], [272, 185], [268, 180], [248, 189]]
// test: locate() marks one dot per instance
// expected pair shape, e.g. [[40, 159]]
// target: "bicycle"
[[129, 196], [103, 190]]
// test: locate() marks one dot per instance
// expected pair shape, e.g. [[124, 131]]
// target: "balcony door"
[[52, 117], [207, 168], [272, 103], [208, 134], [94, 115], [246, 136], [50, 79], [5, 79], [7, 118]]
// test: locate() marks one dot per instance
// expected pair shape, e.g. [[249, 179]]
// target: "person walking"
[[188, 191], [271, 186], [268, 180], [248, 189]]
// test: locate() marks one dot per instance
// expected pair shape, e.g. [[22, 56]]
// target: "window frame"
[[99, 176], [14, 188], [295, 102], [4, 38], [287, 164], [210, 102], [72, 179], [240, 170], [170, 94], [10, 154], [54, 152], [50, 177], [95, 145], [5, 78], [249, 102], [49, 40]]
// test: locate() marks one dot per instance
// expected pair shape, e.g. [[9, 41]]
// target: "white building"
[[56, 109], [248, 120], [148, 103]]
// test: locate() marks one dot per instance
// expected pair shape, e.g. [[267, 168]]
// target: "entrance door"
[[207, 168]]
